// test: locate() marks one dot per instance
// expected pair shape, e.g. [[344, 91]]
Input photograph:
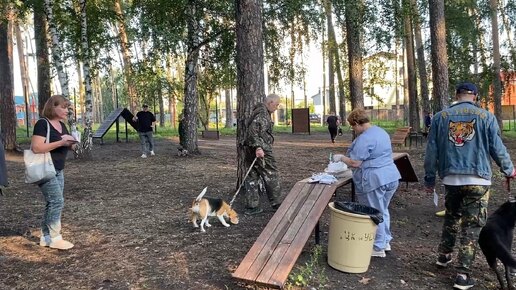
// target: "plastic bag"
[[356, 208]]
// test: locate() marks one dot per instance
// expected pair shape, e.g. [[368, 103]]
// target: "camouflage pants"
[[264, 175], [466, 211]]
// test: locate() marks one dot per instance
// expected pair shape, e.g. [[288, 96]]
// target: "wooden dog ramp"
[[273, 255]]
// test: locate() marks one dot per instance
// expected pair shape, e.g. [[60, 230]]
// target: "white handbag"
[[38, 166]]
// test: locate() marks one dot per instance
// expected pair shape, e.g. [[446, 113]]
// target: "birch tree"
[[86, 144], [58, 57]]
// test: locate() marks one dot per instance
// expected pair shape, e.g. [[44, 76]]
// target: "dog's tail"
[[201, 194]]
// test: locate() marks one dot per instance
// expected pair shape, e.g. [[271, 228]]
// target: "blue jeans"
[[146, 138], [53, 192], [380, 199]]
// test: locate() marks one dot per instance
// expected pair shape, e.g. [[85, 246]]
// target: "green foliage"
[[311, 273]]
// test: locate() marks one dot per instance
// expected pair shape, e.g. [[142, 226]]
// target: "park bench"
[[400, 136], [271, 258]]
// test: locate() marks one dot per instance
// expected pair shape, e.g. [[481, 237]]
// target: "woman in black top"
[[55, 110]]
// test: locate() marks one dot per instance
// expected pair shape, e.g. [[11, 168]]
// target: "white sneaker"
[[152, 153], [144, 155], [388, 247], [379, 254], [60, 244], [44, 241]]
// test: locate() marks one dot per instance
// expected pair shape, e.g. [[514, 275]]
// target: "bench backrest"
[[399, 136]]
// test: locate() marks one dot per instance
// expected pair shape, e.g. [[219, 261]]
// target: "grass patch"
[[311, 274]]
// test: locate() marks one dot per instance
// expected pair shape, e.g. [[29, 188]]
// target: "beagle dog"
[[204, 207]]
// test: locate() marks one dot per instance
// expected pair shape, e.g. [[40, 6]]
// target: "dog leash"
[[242, 183]]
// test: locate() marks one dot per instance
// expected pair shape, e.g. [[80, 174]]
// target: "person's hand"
[[68, 140], [135, 118], [507, 184], [259, 153], [337, 157]]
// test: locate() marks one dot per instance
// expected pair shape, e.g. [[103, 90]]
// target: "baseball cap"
[[467, 88], [145, 106]]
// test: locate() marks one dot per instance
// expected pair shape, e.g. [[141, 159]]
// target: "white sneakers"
[[151, 154], [380, 254], [55, 243]]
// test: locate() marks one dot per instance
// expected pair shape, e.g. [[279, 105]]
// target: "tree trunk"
[[421, 63], [250, 76], [161, 105], [332, 44], [43, 65], [191, 107], [23, 69], [497, 82], [229, 109], [411, 69], [85, 147], [439, 55], [354, 20], [7, 109], [126, 57]]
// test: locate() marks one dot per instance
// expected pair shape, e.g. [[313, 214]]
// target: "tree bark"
[[126, 57], [191, 107], [7, 108], [439, 55], [23, 68], [421, 63], [85, 147], [43, 65], [411, 68], [354, 19], [331, 56], [497, 82], [250, 74], [229, 109]]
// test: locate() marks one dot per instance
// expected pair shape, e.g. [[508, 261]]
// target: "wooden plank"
[[276, 234], [285, 209], [291, 233], [289, 259]]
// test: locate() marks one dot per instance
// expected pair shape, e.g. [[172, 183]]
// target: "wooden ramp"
[[271, 258]]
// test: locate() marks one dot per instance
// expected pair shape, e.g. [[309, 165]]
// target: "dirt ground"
[[128, 219]]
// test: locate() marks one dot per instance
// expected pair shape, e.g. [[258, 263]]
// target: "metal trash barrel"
[[351, 239]]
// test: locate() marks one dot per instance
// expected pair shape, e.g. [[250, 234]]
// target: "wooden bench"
[[400, 136], [271, 258]]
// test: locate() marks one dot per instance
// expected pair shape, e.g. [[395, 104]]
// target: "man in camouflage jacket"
[[264, 173]]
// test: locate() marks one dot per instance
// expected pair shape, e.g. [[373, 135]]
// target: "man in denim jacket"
[[460, 143]]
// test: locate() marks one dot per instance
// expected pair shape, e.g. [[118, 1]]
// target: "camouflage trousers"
[[466, 211], [263, 176]]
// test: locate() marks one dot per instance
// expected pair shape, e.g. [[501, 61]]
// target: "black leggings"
[[333, 132]]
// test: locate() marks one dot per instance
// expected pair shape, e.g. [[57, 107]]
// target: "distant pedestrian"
[[264, 173], [146, 122], [333, 125], [462, 140]]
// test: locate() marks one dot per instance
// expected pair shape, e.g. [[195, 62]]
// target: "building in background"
[[20, 107]]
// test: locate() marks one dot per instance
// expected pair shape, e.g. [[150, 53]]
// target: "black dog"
[[495, 240]]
